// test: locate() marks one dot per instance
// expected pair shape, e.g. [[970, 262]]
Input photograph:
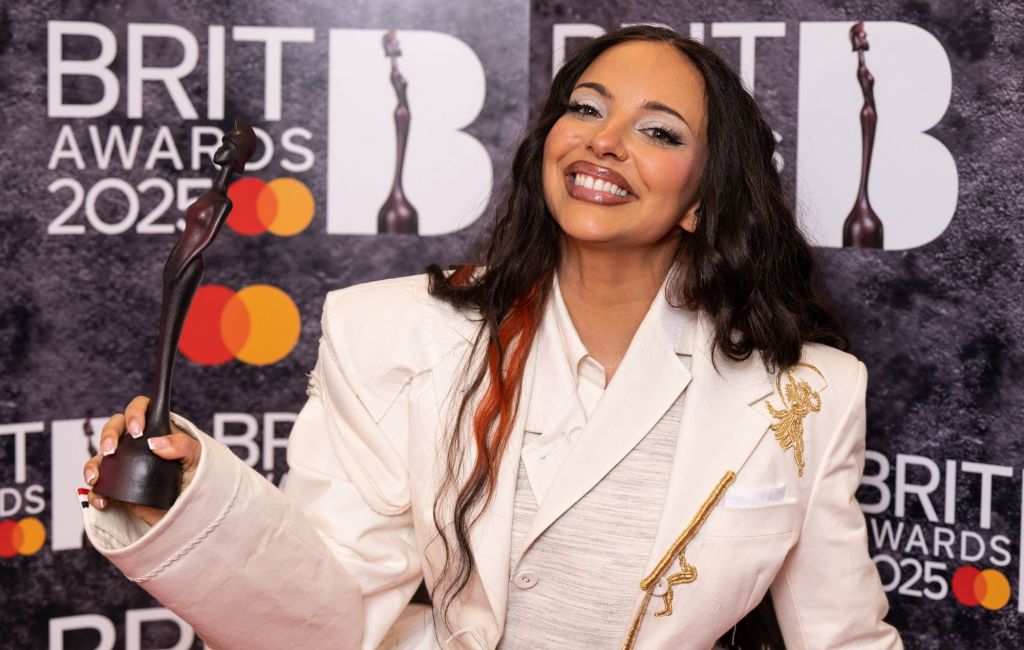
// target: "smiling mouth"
[[592, 189], [592, 183]]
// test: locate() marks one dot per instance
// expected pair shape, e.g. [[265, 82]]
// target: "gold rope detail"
[[687, 572], [798, 400], [634, 629]]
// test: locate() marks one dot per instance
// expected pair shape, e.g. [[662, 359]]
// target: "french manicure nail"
[[158, 443], [135, 428], [90, 477], [108, 446]]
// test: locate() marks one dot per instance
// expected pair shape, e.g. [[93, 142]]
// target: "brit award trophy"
[[134, 474]]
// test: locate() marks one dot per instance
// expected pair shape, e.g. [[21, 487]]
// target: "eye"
[[662, 135], [583, 110]]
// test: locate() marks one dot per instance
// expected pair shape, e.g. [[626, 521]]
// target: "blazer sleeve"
[[828, 593], [332, 561]]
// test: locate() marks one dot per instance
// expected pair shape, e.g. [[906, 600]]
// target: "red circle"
[[201, 337], [235, 324], [8, 528], [245, 196], [964, 586]]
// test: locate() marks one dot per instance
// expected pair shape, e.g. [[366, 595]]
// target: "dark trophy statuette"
[[863, 228], [134, 474], [397, 215]]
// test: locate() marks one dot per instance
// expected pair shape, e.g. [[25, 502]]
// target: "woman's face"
[[623, 165]]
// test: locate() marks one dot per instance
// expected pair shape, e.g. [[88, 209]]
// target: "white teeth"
[[598, 184]]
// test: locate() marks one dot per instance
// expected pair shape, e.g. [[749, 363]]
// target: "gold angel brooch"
[[798, 399]]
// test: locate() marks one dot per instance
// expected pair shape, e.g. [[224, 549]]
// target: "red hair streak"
[[497, 408]]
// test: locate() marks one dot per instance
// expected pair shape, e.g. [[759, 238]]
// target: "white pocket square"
[[746, 498]]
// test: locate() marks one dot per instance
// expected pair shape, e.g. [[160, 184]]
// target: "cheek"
[[561, 139], [672, 177], [558, 144]]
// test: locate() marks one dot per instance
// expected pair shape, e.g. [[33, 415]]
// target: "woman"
[[628, 426]]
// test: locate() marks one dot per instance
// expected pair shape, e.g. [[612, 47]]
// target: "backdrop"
[[110, 111]]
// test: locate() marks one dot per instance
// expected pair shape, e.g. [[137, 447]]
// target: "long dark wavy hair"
[[747, 267]]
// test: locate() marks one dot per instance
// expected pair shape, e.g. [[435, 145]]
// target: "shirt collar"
[[575, 351], [557, 339]]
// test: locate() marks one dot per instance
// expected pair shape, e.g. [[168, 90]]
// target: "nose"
[[606, 141]]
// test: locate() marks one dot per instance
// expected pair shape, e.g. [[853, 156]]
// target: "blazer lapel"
[[720, 427], [646, 384]]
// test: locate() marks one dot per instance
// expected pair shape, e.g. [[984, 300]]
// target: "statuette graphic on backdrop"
[[863, 228], [397, 215]]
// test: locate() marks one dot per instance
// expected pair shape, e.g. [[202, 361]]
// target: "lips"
[[594, 184]]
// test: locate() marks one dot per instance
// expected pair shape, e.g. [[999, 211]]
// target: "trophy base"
[[134, 474]]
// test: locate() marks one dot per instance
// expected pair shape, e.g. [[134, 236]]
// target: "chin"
[[588, 230]]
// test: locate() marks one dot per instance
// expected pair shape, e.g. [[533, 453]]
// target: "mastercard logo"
[[283, 207], [23, 537], [258, 325], [988, 588]]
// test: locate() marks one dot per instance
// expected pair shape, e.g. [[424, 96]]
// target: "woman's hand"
[[178, 445]]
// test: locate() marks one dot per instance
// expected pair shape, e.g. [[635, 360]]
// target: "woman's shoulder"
[[841, 371], [829, 386], [392, 327], [392, 301], [411, 289]]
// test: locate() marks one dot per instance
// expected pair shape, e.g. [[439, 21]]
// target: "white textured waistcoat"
[[577, 584]]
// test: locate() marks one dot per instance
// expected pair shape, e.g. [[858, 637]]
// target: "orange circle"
[[267, 206], [996, 591], [17, 537], [294, 206], [275, 325], [980, 587], [33, 534]]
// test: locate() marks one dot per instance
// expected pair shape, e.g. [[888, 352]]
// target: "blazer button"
[[525, 579], [660, 587]]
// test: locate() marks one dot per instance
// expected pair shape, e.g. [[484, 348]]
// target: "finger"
[[97, 501], [135, 415], [110, 434], [91, 471], [176, 446]]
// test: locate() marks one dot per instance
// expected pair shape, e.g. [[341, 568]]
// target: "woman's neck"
[[607, 294]]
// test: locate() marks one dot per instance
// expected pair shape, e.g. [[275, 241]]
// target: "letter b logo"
[[447, 172], [913, 183]]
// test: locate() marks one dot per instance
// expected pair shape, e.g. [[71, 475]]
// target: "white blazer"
[[333, 562]]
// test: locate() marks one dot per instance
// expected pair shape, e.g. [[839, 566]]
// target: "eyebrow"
[[648, 105]]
